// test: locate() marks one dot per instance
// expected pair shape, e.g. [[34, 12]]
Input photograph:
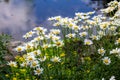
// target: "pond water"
[[20, 16]]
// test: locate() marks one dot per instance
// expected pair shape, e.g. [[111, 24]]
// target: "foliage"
[[81, 48], [4, 40]]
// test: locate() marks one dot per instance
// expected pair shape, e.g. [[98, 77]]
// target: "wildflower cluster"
[[85, 47]]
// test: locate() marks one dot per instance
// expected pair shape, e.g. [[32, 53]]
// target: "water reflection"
[[15, 17], [6, 0], [19, 16]]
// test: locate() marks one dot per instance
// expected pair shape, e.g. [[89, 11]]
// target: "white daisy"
[[70, 35], [115, 51], [34, 64], [36, 52], [19, 49], [12, 64], [59, 43], [94, 37], [56, 59], [83, 34], [43, 59], [88, 42], [55, 31], [106, 60], [101, 51], [38, 71]]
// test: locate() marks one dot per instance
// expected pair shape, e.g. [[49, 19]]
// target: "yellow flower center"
[[38, 71], [12, 65], [19, 49], [76, 27], [58, 43], [58, 18], [30, 33], [28, 46], [30, 58], [101, 51], [88, 43], [106, 61], [35, 52], [34, 64], [70, 25], [55, 60], [71, 35]]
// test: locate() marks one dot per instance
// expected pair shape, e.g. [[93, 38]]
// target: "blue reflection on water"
[[48, 8]]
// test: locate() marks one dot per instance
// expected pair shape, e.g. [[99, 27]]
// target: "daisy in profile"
[[88, 42], [43, 59], [24, 64], [12, 64], [75, 28], [101, 33], [40, 30], [101, 51], [70, 35], [112, 28], [56, 24], [55, 38], [55, 31], [83, 34], [28, 45], [84, 27], [19, 49], [115, 51], [45, 46], [39, 38], [94, 37], [38, 71], [55, 18], [31, 33], [28, 34], [30, 57], [36, 52], [34, 64], [49, 36], [56, 59], [106, 60], [104, 25], [59, 43]]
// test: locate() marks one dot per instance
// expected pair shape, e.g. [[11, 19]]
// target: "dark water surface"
[[20, 16]]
